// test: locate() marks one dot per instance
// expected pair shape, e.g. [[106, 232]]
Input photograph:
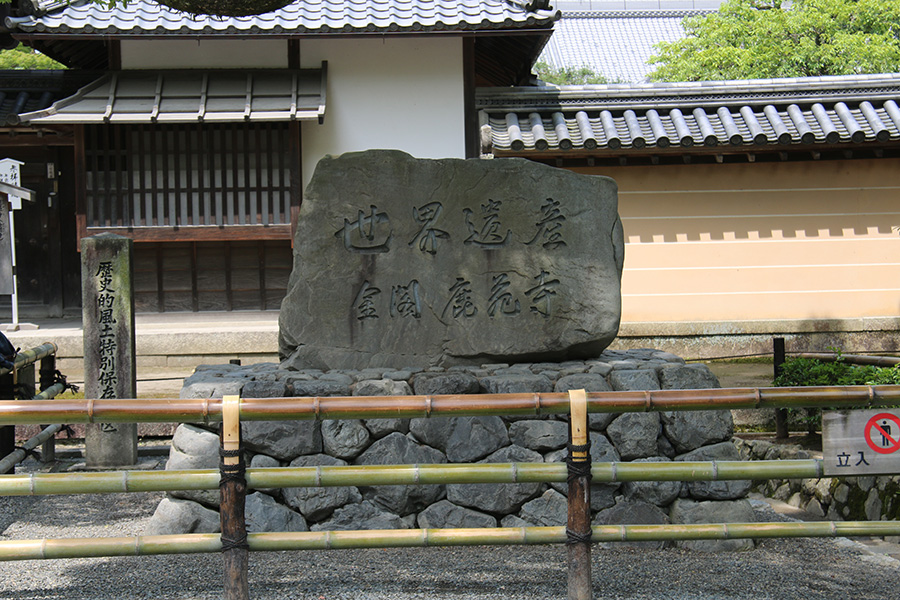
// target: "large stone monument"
[[406, 262]]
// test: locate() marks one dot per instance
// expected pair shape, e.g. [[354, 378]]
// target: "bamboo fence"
[[181, 410], [420, 538], [114, 482]]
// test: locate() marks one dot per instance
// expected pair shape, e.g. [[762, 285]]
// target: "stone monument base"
[[655, 437]]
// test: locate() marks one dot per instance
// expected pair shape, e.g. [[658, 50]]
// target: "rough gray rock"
[[473, 259], [687, 377], [659, 493], [688, 511], [634, 434], [174, 517], [345, 438], [547, 510], [629, 512], [284, 440], [318, 387], [264, 389], [382, 427], [263, 513], [364, 515], [516, 384], [463, 439], [498, 499], [381, 387], [716, 490], [206, 384], [431, 384], [194, 448], [445, 514], [317, 503], [539, 435], [690, 430], [399, 449], [625, 380]]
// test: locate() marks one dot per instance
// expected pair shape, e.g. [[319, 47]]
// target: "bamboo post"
[[233, 491], [578, 525]]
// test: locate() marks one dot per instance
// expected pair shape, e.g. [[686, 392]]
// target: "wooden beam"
[[197, 234]]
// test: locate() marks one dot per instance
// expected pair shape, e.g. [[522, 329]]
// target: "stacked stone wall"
[[831, 498], [638, 437]]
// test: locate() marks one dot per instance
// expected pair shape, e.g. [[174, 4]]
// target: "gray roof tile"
[[307, 16], [615, 44], [751, 115], [192, 96]]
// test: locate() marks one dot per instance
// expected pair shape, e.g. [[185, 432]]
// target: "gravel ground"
[[776, 569]]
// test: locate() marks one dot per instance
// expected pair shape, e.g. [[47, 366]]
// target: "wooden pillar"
[[47, 379], [781, 414], [578, 525], [109, 356], [232, 494]]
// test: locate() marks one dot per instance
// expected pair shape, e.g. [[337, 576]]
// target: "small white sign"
[[861, 442], [9, 173]]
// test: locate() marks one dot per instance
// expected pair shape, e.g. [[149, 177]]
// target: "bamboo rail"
[[418, 538], [114, 482], [181, 410], [27, 357], [19, 454], [854, 359]]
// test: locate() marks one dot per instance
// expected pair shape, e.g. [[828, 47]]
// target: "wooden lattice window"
[[190, 182]]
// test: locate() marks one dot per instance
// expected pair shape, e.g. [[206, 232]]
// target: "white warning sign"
[[861, 442]]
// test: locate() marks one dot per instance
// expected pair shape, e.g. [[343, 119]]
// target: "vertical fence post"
[[48, 378], [8, 432], [781, 417], [578, 525], [232, 493]]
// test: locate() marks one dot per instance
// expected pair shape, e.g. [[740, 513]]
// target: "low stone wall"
[[832, 498], [626, 437]]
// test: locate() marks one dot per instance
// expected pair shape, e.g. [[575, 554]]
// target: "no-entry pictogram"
[[882, 433], [861, 442]]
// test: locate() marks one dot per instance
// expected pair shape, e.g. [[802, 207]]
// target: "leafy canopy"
[[23, 57], [753, 39], [567, 75]]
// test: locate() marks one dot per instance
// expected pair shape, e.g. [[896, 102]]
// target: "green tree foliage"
[[24, 57], [567, 75], [752, 39]]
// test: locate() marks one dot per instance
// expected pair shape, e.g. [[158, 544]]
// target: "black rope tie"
[[573, 538], [235, 472], [575, 468], [29, 452], [578, 467], [236, 544]]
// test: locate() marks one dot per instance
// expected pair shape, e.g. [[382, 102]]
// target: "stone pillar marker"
[[109, 349]]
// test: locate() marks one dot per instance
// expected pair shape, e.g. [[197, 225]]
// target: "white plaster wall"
[[397, 93], [206, 54]]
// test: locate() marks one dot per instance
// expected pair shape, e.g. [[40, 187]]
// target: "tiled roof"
[[615, 44], [192, 96], [142, 17], [778, 114], [24, 91]]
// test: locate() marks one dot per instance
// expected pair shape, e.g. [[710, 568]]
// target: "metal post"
[[578, 525], [233, 492], [47, 379], [781, 425]]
